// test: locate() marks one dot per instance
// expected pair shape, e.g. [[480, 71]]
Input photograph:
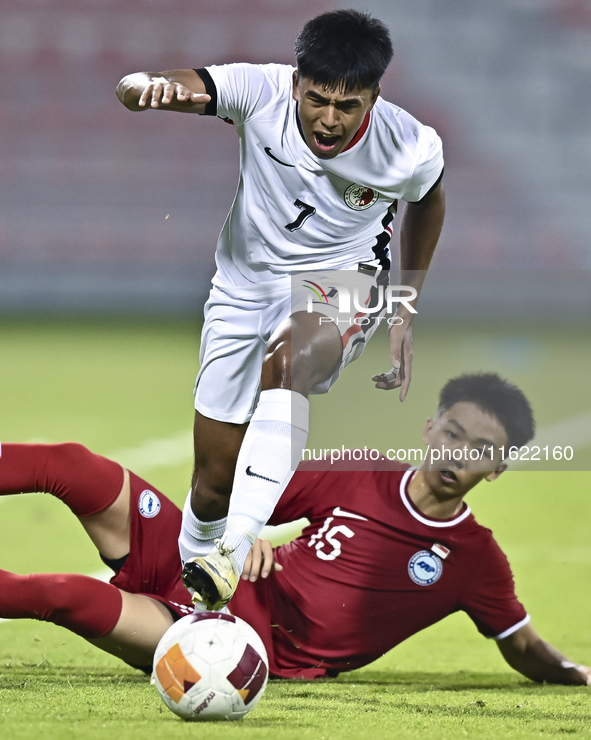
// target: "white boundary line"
[[574, 431], [156, 453]]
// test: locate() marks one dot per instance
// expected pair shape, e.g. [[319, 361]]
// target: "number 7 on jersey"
[[307, 211]]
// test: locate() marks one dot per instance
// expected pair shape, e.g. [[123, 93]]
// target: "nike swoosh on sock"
[[256, 475]]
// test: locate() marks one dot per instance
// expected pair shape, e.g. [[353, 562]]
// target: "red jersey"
[[369, 571]]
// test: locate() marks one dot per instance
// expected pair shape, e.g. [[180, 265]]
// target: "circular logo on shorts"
[[360, 198], [425, 568], [149, 504]]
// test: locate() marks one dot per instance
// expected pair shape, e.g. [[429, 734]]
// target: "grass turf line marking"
[[156, 453], [574, 430]]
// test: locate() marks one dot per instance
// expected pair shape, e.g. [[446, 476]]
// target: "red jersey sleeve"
[[490, 599]]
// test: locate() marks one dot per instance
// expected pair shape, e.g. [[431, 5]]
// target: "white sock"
[[270, 452], [197, 537]]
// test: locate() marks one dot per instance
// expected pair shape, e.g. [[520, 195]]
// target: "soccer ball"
[[210, 666]]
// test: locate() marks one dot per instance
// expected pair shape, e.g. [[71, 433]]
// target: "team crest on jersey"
[[149, 504], [425, 568], [359, 198]]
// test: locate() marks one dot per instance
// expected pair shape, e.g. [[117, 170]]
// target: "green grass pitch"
[[126, 390]]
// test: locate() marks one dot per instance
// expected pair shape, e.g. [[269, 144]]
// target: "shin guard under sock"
[[270, 452]]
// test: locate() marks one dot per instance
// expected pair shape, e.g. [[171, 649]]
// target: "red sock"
[[84, 605], [86, 482]]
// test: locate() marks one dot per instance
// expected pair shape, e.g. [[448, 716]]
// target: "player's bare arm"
[[419, 232], [526, 652], [180, 90]]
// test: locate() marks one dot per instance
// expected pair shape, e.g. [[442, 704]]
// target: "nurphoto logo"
[[386, 300]]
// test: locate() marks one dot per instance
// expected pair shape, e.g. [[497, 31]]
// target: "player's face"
[[330, 119], [464, 448]]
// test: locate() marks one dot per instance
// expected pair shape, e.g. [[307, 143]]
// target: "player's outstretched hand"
[[160, 93], [260, 561], [401, 359]]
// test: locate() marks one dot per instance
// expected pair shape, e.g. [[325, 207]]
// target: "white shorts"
[[239, 324]]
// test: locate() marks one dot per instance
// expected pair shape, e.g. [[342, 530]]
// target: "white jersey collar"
[[419, 517]]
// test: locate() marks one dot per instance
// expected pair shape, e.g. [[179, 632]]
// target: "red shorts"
[[153, 567]]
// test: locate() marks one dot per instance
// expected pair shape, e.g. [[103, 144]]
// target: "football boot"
[[213, 578]]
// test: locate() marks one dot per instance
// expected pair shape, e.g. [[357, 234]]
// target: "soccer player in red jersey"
[[327, 608]]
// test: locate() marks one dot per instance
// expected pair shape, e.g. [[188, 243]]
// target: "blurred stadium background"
[[112, 214], [108, 224], [105, 211]]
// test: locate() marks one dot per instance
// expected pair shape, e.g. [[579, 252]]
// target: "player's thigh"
[[303, 350], [352, 303], [354, 339], [142, 623], [109, 529]]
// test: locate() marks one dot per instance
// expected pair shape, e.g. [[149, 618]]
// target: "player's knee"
[[209, 509], [302, 356], [214, 479], [298, 367], [84, 605], [55, 596], [58, 593], [278, 364], [289, 365], [71, 454], [211, 502]]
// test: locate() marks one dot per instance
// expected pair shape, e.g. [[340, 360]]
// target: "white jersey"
[[294, 211]]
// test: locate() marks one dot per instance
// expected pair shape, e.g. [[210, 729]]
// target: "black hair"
[[495, 396], [344, 50]]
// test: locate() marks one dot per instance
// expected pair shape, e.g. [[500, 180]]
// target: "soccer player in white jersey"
[[324, 161]]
